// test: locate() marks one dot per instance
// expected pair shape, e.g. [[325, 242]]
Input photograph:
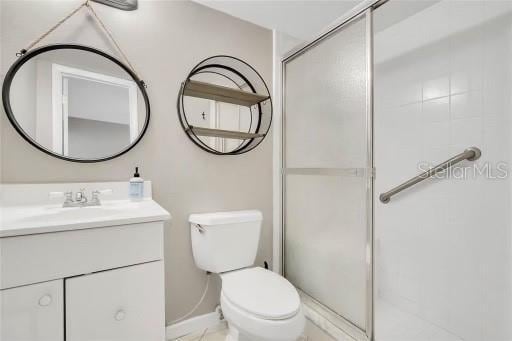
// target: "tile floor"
[[312, 332], [219, 335], [392, 324], [216, 334]]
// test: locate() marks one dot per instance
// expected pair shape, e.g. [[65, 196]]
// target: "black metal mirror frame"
[[242, 148], [6, 89]]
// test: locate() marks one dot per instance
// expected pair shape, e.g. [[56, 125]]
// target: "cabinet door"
[[32, 312], [125, 304]]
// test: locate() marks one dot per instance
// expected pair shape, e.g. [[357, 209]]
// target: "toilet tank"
[[225, 241]]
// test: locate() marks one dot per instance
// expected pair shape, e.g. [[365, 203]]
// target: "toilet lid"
[[261, 292]]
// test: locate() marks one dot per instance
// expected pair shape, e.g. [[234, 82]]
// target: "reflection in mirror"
[[207, 113], [224, 106], [77, 104]]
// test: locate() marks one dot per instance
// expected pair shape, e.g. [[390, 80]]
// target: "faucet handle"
[[102, 191], [96, 193], [53, 195]]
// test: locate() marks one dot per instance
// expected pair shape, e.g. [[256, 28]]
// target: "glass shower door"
[[327, 187]]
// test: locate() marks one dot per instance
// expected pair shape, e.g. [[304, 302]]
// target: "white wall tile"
[[436, 134], [434, 88], [444, 246], [468, 104], [466, 132], [436, 110]]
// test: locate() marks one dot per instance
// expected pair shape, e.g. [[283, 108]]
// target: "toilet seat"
[[262, 304], [260, 329], [261, 293]]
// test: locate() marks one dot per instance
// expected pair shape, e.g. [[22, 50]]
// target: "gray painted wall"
[[164, 40]]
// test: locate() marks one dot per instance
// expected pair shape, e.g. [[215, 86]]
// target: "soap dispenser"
[[136, 191]]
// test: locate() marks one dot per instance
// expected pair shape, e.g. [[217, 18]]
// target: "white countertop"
[[17, 218], [23, 220]]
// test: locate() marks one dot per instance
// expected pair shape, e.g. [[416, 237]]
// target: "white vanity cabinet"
[[83, 274], [118, 305], [33, 312], [110, 286]]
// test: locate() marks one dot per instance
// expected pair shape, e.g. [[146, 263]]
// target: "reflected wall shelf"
[[231, 129], [228, 134], [222, 93]]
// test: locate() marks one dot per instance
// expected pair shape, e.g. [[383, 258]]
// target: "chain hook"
[[21, 53]]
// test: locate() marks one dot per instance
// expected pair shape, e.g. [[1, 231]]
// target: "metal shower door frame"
[[365, 10]]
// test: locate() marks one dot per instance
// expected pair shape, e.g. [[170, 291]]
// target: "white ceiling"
[[299, 19]]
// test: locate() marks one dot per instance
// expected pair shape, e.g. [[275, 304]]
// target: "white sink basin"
[[29, 219], [51, 214]]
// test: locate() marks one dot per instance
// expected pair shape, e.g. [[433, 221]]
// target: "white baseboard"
[[194, 325]]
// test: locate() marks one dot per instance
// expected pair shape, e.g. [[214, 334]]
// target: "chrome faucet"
[[80, 198]]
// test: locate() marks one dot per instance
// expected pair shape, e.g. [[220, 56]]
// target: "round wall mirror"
[[76, 103], [224, 106]]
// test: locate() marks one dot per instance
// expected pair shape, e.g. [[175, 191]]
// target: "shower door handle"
[[470, 154]]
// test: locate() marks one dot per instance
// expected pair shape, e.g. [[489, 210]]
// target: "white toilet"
[[258, 304]]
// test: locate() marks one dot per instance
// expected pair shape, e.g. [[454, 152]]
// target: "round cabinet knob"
[[120, 315], [46, 300]]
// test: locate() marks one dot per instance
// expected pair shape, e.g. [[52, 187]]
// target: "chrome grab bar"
[[470, 154]]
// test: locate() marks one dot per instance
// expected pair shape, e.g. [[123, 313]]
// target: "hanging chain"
[[93, 13]]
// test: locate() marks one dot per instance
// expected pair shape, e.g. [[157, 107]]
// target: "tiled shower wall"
[[442, 84]]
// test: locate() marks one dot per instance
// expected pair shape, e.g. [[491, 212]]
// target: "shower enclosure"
[[396, 88]]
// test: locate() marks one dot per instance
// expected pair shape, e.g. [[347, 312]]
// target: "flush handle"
[[200, 228]]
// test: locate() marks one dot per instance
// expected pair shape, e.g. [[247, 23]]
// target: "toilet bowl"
[[260, 305], [257, 303]]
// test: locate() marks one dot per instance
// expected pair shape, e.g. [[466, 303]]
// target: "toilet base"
[[234, 334]]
